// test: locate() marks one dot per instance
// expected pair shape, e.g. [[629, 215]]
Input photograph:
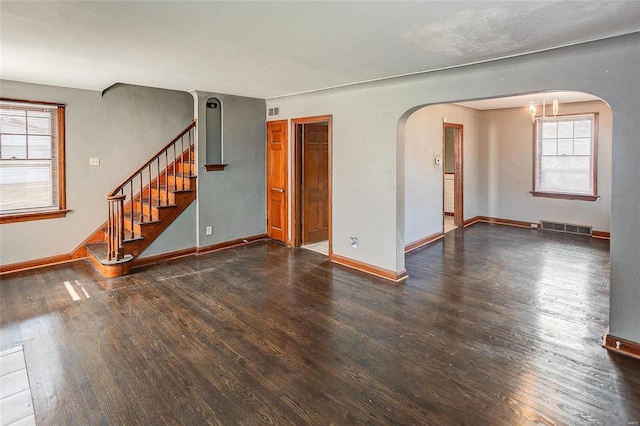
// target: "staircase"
[[144, 205]]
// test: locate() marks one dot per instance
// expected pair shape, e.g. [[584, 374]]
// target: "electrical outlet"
[[354, 242], [94, 161], [208, 230]]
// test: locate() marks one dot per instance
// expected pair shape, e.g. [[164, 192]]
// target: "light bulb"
[[532, 111]]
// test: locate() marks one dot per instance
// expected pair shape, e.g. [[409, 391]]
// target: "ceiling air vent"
[[546, 225], [274, 111]]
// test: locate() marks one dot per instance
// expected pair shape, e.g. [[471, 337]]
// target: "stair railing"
[[152, 178]]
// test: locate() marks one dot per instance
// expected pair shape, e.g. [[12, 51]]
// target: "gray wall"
[[232, 201], [368, 162], [498, 156], [123, 128], [506, 140], [423, 179]]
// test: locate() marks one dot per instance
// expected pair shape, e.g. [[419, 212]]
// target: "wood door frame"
[[295, 239], [458, 181]]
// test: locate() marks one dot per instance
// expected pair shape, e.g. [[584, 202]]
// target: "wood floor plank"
[[495, 325]]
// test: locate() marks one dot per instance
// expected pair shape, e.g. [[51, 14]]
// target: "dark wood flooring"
[[495, 326]]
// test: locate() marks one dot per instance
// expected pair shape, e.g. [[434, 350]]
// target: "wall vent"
[[274, 111], [546, 225]]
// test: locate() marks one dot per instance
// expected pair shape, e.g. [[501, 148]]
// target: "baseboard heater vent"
[[565, 227]]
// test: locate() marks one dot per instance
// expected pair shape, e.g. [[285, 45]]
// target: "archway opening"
[[506, 158]]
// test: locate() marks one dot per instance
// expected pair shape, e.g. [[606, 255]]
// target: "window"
[[566, 157], [31, 161]]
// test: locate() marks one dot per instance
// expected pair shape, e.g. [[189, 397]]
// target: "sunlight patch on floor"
[[16, 405], [72, 291]]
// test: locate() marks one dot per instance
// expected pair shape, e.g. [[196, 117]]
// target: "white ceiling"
[[523, 100], [269, 49]]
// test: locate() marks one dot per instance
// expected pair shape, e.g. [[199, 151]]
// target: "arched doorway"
[[499, 163]]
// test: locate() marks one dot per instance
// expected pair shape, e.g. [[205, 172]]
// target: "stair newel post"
[[115, 227], [110, 229]]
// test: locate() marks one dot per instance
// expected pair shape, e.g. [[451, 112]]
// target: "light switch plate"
[[94, 161]]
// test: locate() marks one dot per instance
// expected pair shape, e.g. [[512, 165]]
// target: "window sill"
[[25, 217], [214, 167], [565, 196]]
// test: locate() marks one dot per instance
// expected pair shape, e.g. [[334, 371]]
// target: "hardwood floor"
[[495, 325]]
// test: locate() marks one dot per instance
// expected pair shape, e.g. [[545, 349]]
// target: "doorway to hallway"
[[312, 177], [452, 176]]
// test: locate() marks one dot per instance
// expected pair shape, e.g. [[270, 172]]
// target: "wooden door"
[[277, 219], [315, 183], [458, 181]]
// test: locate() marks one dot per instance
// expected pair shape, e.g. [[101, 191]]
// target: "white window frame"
[[538, 189]]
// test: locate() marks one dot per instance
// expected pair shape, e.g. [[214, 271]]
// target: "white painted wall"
[[368, 162], [363, 168], [423, 178], [506, 140]]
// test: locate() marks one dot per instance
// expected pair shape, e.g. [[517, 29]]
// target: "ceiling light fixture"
[[554, 109]]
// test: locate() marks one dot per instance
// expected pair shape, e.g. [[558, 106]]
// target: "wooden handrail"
[[147, 177], [158, 154]]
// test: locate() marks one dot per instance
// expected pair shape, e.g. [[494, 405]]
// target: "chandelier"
[[532, 109]]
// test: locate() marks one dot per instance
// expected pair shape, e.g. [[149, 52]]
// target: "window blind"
[[28, 157]]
